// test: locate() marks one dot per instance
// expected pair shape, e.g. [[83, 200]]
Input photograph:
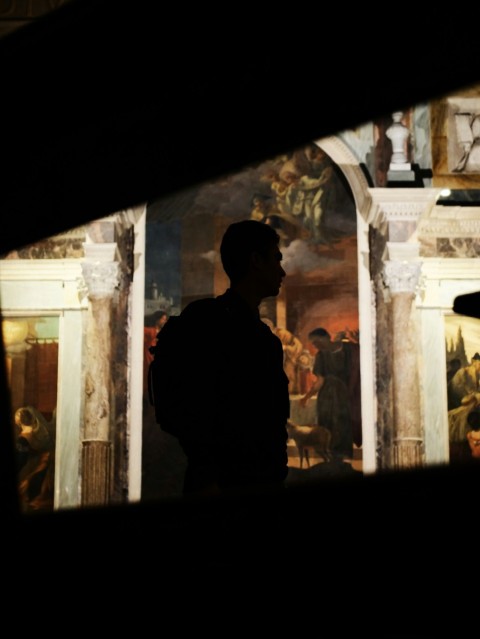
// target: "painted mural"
[[31, 345], [463, 386], [306, 198]]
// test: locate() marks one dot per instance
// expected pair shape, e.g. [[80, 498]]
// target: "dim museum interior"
[[374, 252]]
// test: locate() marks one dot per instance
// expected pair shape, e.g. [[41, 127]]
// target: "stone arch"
[[343, 157], [338, 151]]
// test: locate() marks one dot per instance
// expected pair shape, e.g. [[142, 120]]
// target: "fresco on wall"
[[455, 138], [463, 382], [464, 135], [306, 198], [31, 345]]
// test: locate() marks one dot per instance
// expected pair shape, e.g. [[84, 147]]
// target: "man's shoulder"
[[203, 313], [200, 307]]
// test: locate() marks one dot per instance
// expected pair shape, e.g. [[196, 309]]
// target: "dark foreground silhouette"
[[101, 132]]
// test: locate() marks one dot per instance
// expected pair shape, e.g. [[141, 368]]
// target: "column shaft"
[[101, 276], [408, 440]]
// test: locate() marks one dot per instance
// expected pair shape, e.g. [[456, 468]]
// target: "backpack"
[[166, 372]]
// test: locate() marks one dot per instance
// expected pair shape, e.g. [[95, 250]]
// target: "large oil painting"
[[31, 345], [463, 389], [305, 197]]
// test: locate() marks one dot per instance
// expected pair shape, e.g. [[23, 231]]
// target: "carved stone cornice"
[[402, 276], [129, 217], [462, 269], [451, 221], [40, 270], [61, 283], [400, 205]]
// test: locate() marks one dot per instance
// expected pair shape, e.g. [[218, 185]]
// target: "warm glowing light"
[[14, 331]]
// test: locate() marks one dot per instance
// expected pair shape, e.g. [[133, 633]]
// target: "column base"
[[96, 467], [408, 452]]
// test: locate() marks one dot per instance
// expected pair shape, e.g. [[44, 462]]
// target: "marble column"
[[396, 215], [402, 277], [100, 273]]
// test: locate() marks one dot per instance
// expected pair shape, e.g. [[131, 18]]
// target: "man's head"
[[320, 337], [159, 319], [473, 419], [249, 250], [156, 320]]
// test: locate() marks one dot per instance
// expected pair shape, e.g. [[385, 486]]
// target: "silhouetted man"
[[232, 422]]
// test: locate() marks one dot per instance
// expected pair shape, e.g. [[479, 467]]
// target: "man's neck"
[[251, 298]]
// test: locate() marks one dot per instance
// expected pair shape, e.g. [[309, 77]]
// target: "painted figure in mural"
[[305, 189], [35, 441], [466, 380], [341, 357], [232, 424], [346, 350], [330, 386], [304, 196], [453, 366], [473, 435], [305, 363], [458, 426], [292, 350], [468, 139], [153, 324]]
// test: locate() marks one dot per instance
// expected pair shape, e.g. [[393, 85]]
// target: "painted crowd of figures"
[[330, 378], [463, 393]]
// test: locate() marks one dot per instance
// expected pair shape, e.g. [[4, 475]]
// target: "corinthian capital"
[[101, 278], [402, 277], [100, 272]]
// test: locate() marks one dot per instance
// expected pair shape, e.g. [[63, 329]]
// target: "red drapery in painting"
[[41, 371], [37, 463]]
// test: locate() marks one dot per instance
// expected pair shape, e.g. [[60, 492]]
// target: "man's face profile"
[[270, 271]]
